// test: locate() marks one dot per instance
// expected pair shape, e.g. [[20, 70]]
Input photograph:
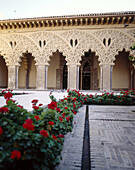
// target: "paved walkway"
[[25, 99], [112, 137]]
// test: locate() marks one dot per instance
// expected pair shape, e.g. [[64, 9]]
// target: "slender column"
[[11, 76], [111, 70], [131, 79], [81, 76], [72, 76], [78, 77], [101, 77], [46, 73], [16, 76], [107, 77], [40, 83]]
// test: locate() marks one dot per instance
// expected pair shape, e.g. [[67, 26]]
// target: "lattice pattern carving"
[[23, 44], [43, 44], [5, 50], [85, 41], [53, 43], [119, 40]]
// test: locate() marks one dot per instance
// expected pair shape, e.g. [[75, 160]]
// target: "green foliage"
[[21, 132], [124, 98]]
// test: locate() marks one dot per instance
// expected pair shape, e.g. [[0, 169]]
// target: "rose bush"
[[33, 140], [126, 97]]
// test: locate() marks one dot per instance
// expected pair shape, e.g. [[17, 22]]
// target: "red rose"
[[15, 154], [51, 123], [28, 125], [37, 118], [52, 105], [44, 133], [1, 131], [74, 113], [61, 119], [74, 99], [68, 118], [35, 107], [4, 109], [20, 106], [34, 101], [8, 95], [54, 137], [29, 121], [63, 114], [40, 104], [61, 136], [74, 105], [58, 110], [65, 108]]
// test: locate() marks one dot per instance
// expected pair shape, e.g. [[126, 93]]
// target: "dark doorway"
[[3, 73], [65, 76], [86, 76]]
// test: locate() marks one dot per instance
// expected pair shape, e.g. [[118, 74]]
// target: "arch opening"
[[123, 75], [89, 72], [27, 72], [3, 73], [57, 72]]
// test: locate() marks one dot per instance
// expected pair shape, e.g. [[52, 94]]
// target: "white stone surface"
[[42, 96]]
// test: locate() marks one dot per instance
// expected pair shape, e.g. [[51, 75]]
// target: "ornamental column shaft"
[[101, 77], [72, 76], [77, 78], [11, 76], [46, 73], [40, 83], [16, 76], [106, 77]]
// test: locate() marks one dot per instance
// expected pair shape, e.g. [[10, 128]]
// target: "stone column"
[[46, 73], [106, 77], [111, 71], [77, 77], [11, 76], [40, 83], [101, 77], [72, 76], [16, 76]]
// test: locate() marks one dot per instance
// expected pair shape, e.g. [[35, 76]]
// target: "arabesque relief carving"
[[72, 44]]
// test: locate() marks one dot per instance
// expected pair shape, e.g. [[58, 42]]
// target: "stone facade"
[[101, 36]]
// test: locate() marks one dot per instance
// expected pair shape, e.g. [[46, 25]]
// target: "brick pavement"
[[112, 137]]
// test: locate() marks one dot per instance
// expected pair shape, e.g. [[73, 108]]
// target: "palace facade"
[[87, 52]]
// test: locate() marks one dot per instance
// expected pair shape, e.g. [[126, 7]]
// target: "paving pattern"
[[73, 144], [112, 137]]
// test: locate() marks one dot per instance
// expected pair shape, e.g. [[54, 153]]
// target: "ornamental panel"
[[5, 50], [22, 44]]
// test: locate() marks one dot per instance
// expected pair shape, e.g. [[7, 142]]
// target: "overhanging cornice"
[[70, 20]]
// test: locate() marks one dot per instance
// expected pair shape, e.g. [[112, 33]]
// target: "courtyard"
[[111, 134]]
